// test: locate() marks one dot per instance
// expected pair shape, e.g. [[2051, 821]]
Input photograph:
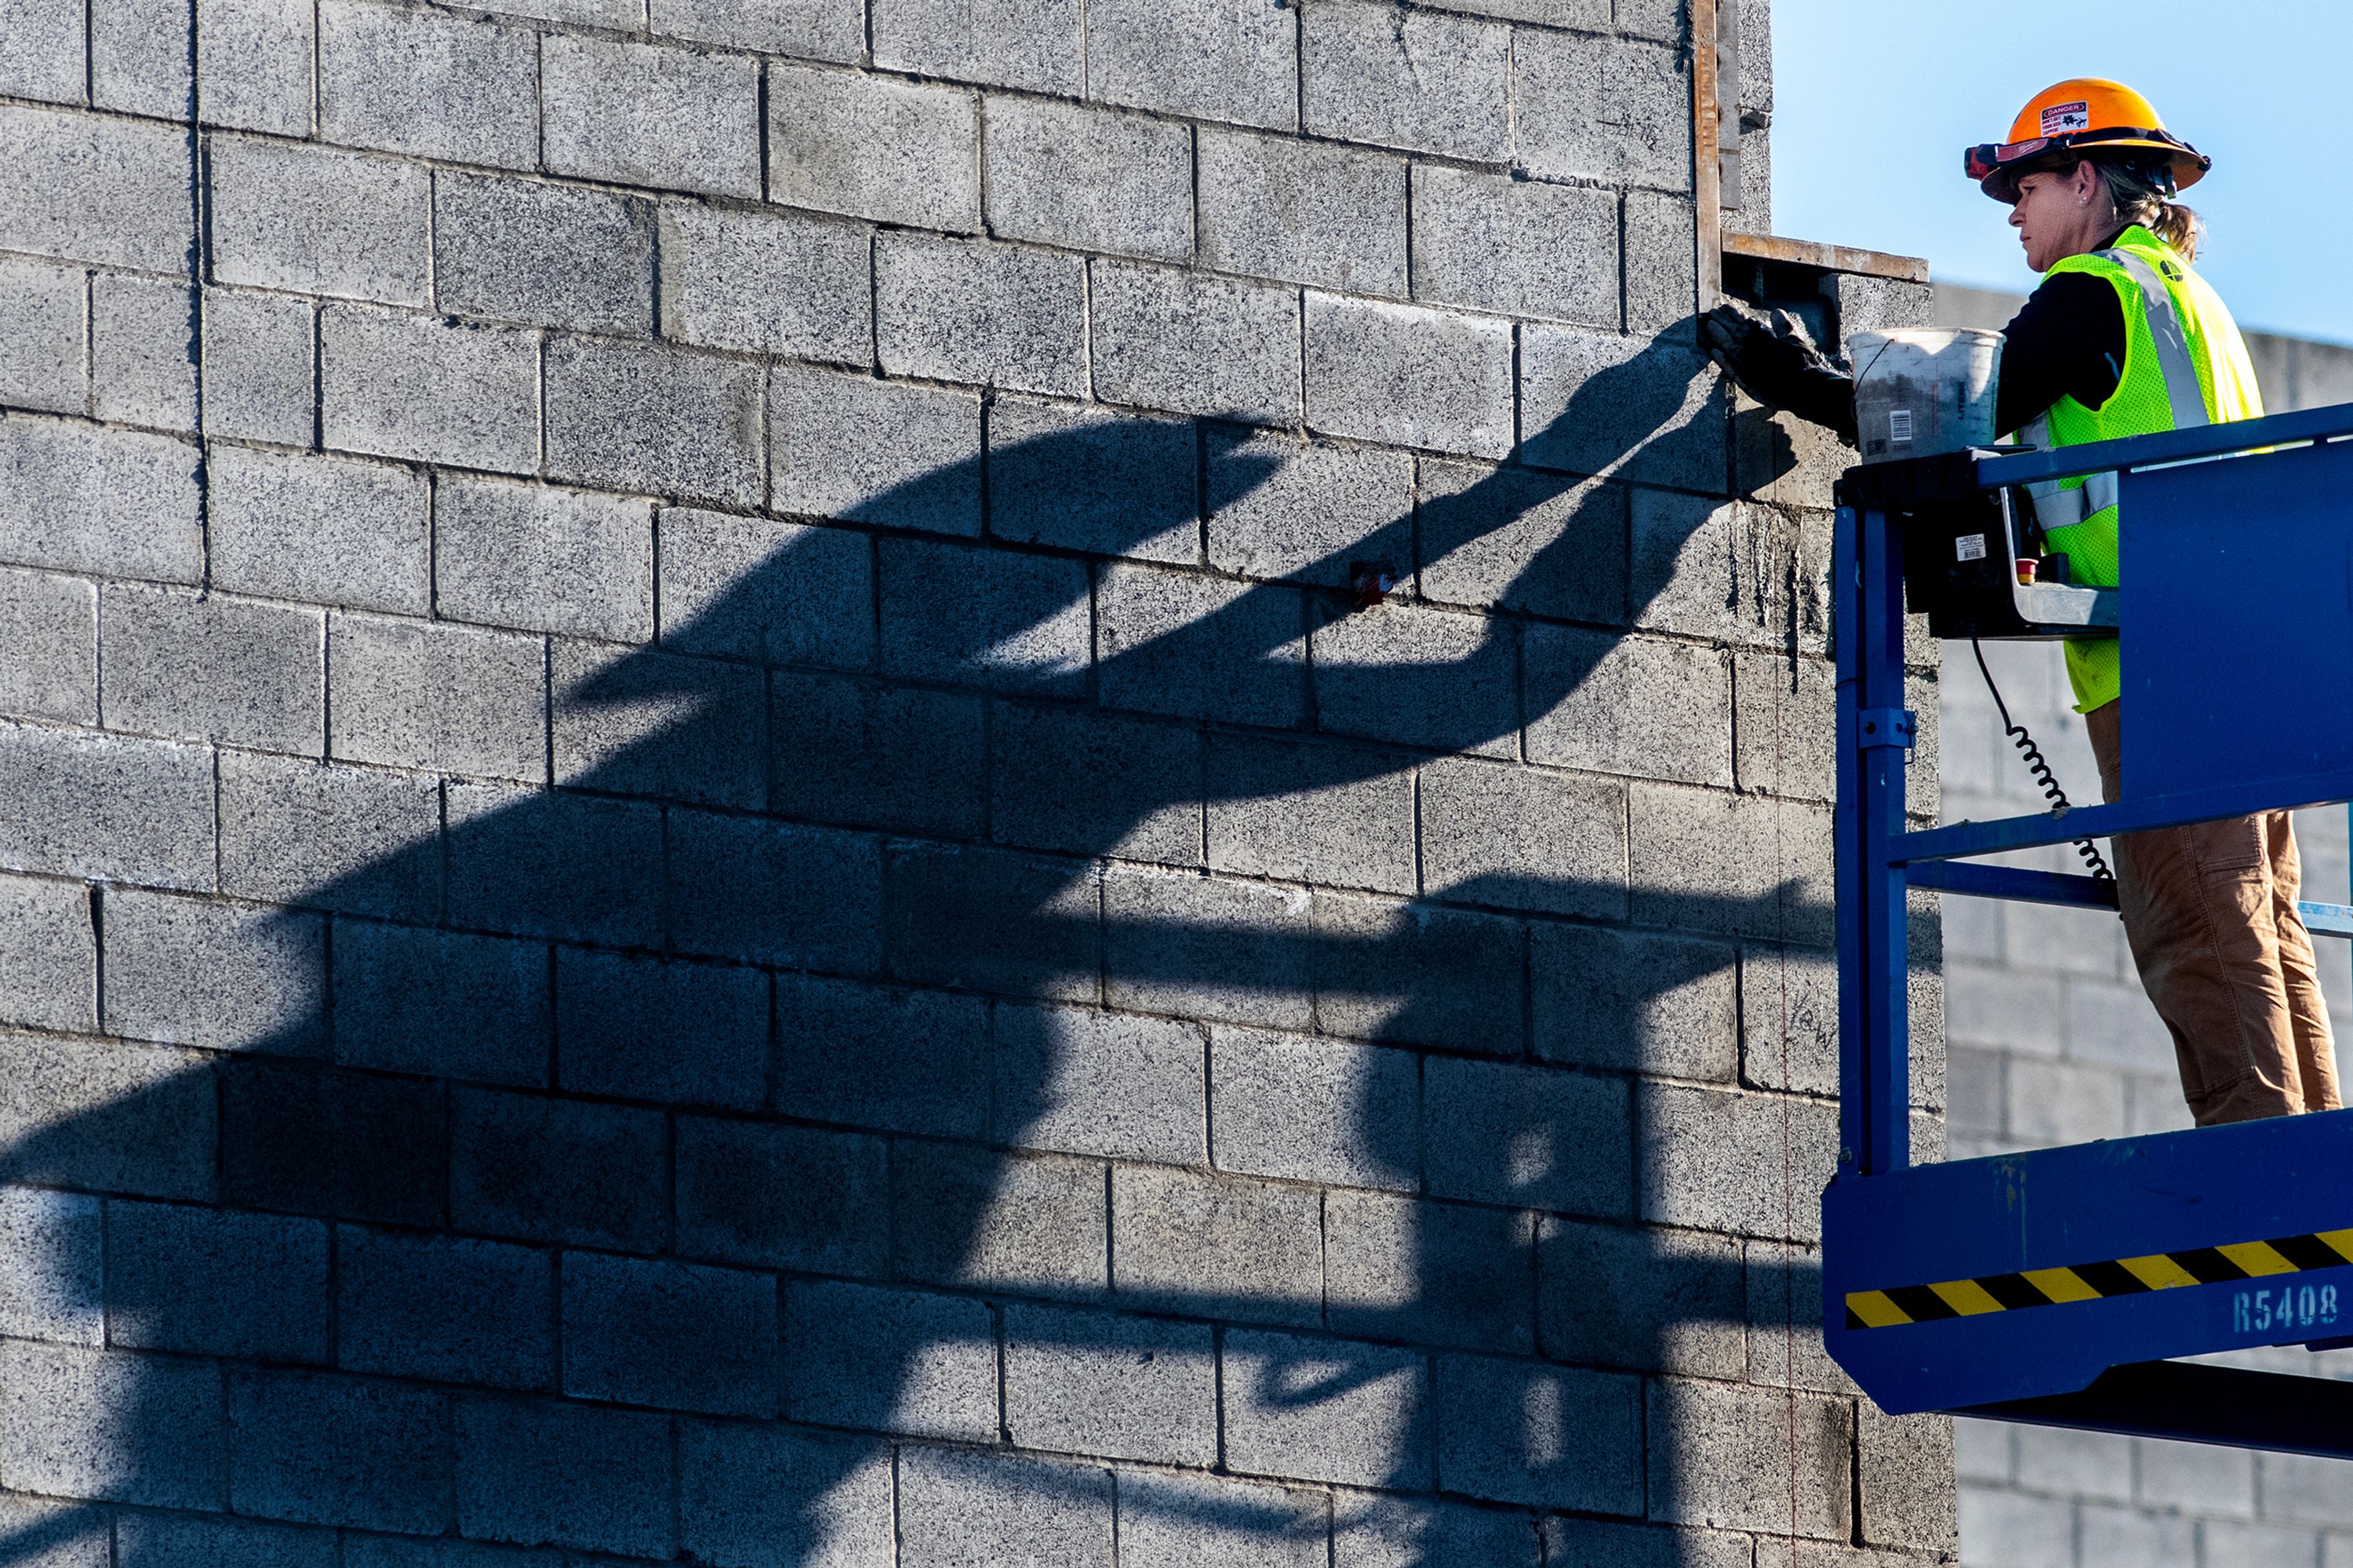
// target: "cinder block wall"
[[704, 861], [2053, 1042]]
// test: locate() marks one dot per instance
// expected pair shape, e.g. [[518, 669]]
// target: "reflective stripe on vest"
[[2055, 507]]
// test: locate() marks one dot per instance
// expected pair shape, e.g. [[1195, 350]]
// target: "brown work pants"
[[2210, 912]]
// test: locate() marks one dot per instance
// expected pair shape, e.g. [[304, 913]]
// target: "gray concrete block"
[[44, 337], [650, 418], [643, 1028], [160, 1540], [539, 1473], [95, 806], [959, 310], [672, 1335], [2300, 1486], [1116, 1387], [1602, 108], [1306, 211], [894, 1361], [1365, 1424], [435, 391], [142, 353], [320, 528], [1036, 45], [866, 450], [1023, 622], [1509, 1431], [110, 1116], [448, 699], [1387, 970], [48, 955], [51, 1245], [774, 592], [1527, 541], [1714, 1161], [1332, 816], [1429, 1273], [770, 1497], [1374, 71], [424, 83], [1662, 269], [1195, 344], [342, 839], [2060, 1103], [1094, 784], [1644, 1004], [204, 667], [103, 1424], [1409, 376], [1588, 16], [544, 560], [546, 1170], [1515, 247], [1198, 59], [315, 220], [1035, 1225], [1212, 948], [1170, 1520], [766, 893], [2024, 1528], [441, 1005], [109, 502], [216, 1282], [195, 974], [639, 114], [1743, 575], [1282, 508], [1527, 1136], [1200, 647], [1600, 1543], [1088, 180], [1784, 719], [1392, 1532], [1406, 673], [1651, 410], [46, 54], [1079, 477], [1902, 1462], [1631, 705], [92, 188], [1721, 1455], [1311, 1109], [445, 1308], [48, 647], [557, 255], [1101, 1083], [824, 126], [1213, 1246], [813, 29], [139, 60], [1748, 865], [1645, 1299], [993, 920], [2182, 1473], [255, 61], [886, 757], [634, 722], [1521, 838], [779, 284], [2228, 1544], [959, 1508], [2130, 1535], [775, 1196], [260, 367], [905, 1061]]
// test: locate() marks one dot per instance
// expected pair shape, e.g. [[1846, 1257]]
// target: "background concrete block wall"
[[2054, 1041], [703, 856]]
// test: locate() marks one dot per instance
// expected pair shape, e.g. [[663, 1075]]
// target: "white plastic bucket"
[[1922, 390]]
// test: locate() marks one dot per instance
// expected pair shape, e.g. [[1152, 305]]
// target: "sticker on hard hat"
[[2061, 119]]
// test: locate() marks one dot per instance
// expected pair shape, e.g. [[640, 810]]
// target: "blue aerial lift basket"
[[2058, 1286]]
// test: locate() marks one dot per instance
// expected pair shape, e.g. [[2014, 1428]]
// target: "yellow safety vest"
[[2185, 366]]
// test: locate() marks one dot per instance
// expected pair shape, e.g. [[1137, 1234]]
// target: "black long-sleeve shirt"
[[2067, 340]]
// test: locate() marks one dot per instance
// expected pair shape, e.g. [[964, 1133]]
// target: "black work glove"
[[1781, 369]]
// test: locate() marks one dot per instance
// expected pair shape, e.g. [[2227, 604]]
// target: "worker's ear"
[[2086, 181]]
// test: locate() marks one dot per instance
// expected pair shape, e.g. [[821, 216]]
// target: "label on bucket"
[[1899, 425], [1970, 547]]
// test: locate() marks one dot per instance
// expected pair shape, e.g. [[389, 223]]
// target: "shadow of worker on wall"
[[887, 974]]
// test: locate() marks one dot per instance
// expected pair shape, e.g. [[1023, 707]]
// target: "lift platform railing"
[[2059, 1285]]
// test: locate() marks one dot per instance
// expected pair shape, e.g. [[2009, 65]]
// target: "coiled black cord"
[[2043, 776]]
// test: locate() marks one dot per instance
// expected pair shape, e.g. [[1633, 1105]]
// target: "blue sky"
[[1873, 101]]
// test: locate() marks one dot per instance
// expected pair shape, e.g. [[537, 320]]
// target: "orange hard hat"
[[2083, 116]]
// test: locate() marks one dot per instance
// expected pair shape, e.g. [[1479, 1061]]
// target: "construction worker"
[[2123, 339]]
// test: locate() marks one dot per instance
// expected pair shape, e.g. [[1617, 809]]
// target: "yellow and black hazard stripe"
[[2097, 1281]]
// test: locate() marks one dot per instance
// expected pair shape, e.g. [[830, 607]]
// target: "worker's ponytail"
[[2142, 201]]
